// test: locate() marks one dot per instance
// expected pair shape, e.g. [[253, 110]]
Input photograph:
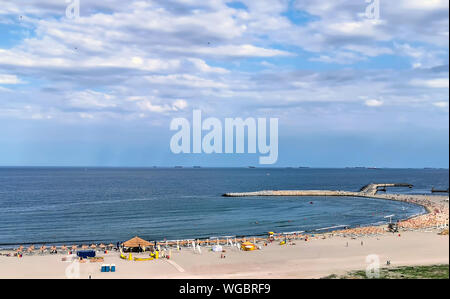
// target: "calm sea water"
[[65, 205]]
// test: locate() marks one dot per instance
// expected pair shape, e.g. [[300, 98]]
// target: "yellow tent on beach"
[[248, 246]]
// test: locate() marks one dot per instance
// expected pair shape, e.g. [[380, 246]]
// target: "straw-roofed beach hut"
[[137, 243]]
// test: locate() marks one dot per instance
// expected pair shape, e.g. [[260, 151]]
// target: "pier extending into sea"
[[369, 190]]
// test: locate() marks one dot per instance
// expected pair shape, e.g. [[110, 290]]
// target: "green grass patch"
[[409, 272]]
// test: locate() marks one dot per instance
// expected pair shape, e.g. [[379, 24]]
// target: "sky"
[[101, 89]]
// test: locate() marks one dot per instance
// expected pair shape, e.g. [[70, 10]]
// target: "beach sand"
[[417, 243], [314, 258]]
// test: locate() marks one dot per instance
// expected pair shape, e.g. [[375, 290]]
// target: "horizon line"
[[230, 167]]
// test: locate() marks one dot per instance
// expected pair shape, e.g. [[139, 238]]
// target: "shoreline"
[[428, 202], [420, 241]]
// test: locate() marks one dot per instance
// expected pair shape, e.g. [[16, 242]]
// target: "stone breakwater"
[[366, 191], [296, 193]]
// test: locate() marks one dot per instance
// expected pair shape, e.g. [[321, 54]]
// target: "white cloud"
[[86, 116], [186, 80], [441, 104], [179, 105], [431, 83], [245, 50], [421, 56], [204, 67], [340, 57], [89, 99], [374, 103], [38, 116], [147, 105], [127, 60], [9, 79], [424, 4]]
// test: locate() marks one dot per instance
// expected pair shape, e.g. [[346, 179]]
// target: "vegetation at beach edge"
[[406, 272]]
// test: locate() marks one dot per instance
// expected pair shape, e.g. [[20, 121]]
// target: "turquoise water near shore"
[[81, 205]]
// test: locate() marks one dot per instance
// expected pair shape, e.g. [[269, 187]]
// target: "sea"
[[50, 205]]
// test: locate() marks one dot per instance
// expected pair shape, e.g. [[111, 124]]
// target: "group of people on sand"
[[55, 250]]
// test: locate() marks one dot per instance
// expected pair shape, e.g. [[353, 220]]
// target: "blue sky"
[[101, 89]]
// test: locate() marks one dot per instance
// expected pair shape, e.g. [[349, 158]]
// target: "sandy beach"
[[314, 258], [419, 242]]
